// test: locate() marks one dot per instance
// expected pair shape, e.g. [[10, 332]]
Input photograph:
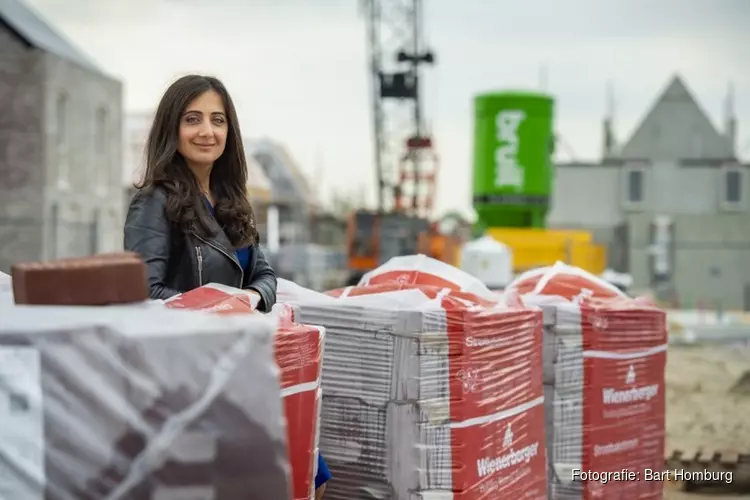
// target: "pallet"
[[716, 462]]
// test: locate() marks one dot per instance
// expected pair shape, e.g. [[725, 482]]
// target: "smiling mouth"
[[205, 146]]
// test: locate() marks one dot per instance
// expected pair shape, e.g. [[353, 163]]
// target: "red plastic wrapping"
[[426, 393], [605, 359], [431, 291], [299, 356], [214, 298], [423, 270]]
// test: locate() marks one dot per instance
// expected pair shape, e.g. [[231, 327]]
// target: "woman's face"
[[203, 130]]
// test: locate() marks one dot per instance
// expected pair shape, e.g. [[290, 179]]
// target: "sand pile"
[[743, 385], [703, 410]]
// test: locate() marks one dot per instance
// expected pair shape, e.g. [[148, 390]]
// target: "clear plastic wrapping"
[[423, 270], [604, 377], [215, 298], [6, 290], [139, 403], [428, 394], [298, 352]]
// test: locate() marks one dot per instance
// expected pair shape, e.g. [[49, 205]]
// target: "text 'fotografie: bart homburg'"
[[652, 475]]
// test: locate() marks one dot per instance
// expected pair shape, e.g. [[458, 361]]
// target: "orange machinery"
[[374, 237]]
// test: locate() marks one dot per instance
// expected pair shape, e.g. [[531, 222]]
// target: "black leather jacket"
[[178, 262]]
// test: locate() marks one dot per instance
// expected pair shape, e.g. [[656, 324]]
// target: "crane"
[[406, 163]]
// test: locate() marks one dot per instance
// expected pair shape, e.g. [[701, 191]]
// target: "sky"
[[297, 69]]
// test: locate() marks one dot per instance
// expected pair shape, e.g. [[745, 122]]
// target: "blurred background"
[[611, 135], [643, 174]]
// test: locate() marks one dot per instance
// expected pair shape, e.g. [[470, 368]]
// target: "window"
[[62, 139], [635, 186], [95, 227], [733, 187], [101, 156], [53, 227]]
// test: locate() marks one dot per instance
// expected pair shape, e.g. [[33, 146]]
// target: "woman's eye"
[[219, 120], [192, 120]]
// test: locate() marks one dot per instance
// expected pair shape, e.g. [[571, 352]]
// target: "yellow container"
[[543, 247]]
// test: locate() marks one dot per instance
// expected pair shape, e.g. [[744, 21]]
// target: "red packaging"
[[299, 355], [419, 270], [299, 350], [430, 393], [607, 361], [214, 298]]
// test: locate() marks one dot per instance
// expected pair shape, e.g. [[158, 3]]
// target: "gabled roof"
[[675, 128], [258, 184], [289, 184], [29, 25]]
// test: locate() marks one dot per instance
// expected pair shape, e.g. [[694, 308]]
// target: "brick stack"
[[299, 355], [140, 404], [604, 364], [428, 393]]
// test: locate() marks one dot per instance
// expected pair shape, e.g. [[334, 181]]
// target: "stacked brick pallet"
[[298, 351], [604, 364], [428, 390], [138, 402]]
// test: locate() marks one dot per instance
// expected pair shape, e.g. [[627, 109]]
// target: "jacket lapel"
[[221, 240]]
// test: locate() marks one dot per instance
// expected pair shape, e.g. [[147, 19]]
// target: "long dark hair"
[[166, 168]]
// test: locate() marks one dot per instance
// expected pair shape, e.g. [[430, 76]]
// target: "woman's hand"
[[319, 492], [254, 298]]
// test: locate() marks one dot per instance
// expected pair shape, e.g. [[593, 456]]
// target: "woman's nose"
[[205, 128]]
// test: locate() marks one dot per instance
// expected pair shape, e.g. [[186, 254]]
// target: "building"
[[135, 128], [60, 141], [291, 194], [671, 204]]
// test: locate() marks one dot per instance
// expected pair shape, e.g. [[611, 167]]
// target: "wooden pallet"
[[696, 461]]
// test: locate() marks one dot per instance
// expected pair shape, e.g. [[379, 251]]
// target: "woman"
[[191, 220]]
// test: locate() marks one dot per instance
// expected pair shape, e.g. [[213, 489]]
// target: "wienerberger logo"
[[487, 466], [613, 396], [645, 393], [508, 439]]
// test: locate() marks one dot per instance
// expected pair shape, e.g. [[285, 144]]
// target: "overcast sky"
[[297, 69]]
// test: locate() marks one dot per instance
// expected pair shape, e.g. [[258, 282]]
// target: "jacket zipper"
[[199, 255], [216, 247]]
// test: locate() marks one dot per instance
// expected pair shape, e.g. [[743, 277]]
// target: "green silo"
[[513, 169]]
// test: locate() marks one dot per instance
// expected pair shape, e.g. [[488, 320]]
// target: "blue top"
[[243, 254], [323, 473]]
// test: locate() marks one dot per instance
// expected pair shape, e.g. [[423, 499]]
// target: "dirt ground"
[[680, 495], [703, 412]]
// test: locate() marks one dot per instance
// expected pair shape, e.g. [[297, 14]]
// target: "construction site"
[[516, 187], [637, 264]]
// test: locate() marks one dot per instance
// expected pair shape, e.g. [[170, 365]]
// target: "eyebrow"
[[215, 113]]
